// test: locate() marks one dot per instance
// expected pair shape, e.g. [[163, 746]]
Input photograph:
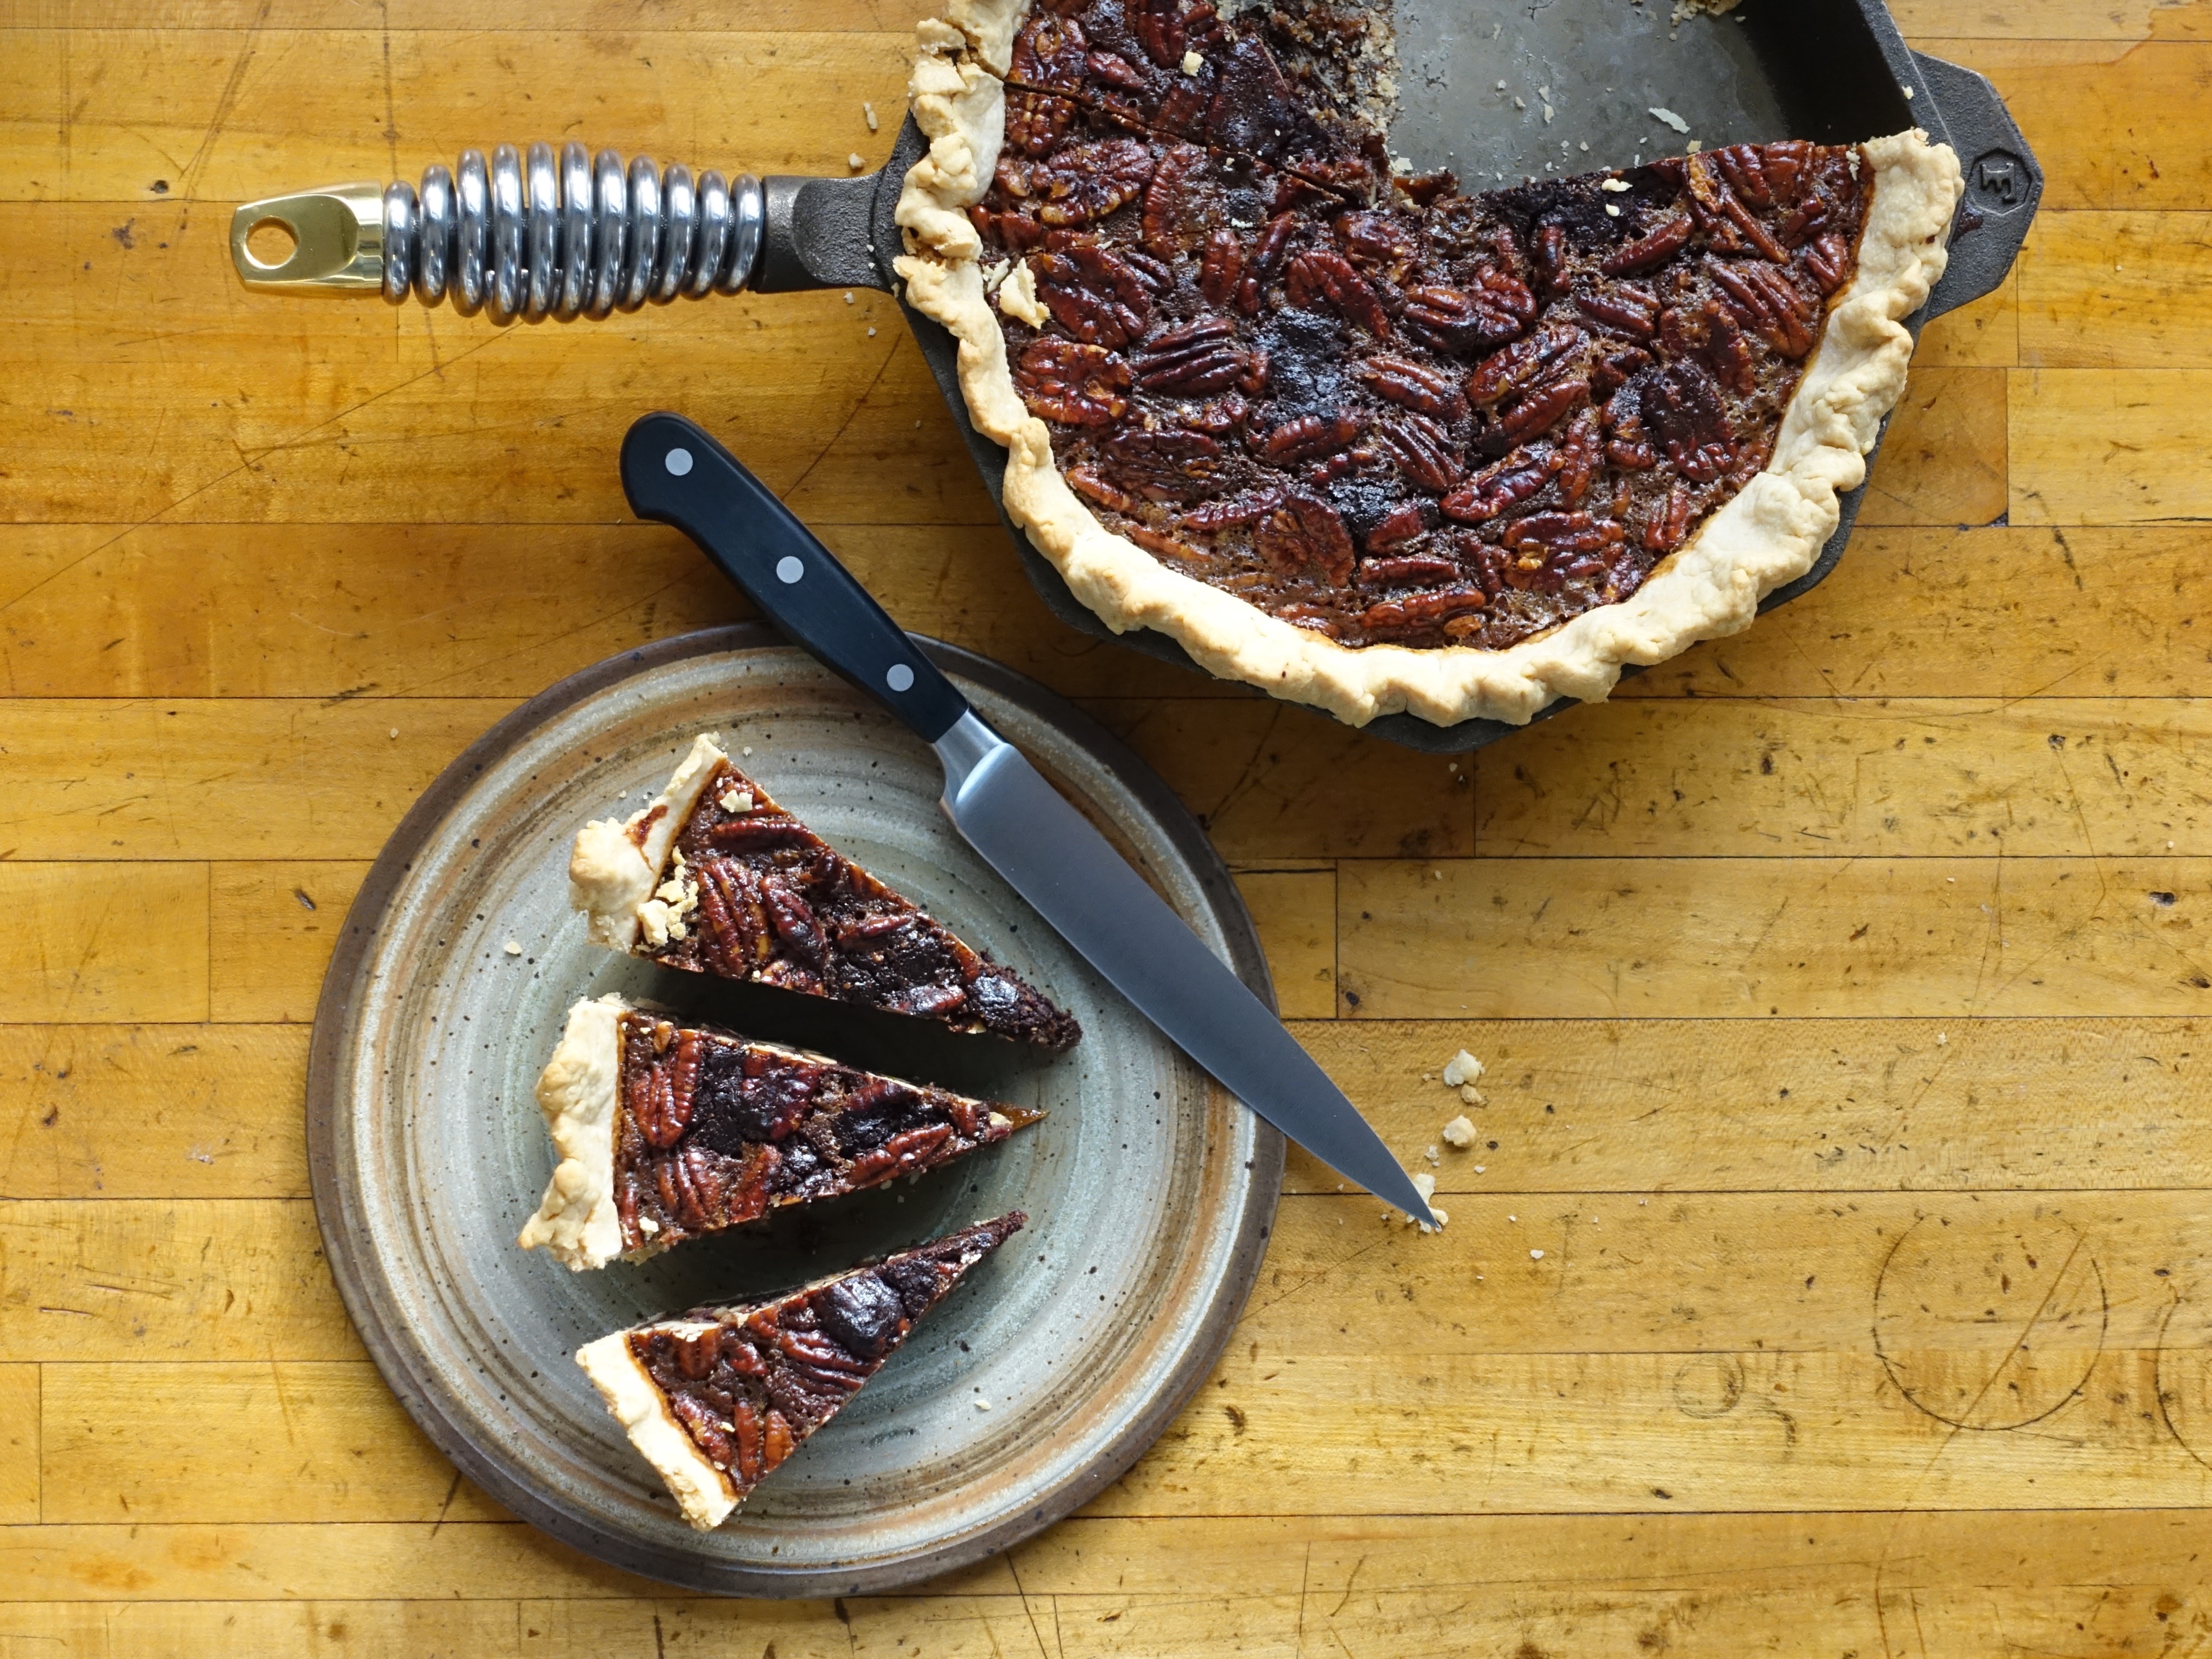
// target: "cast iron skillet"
[[1830, 71]]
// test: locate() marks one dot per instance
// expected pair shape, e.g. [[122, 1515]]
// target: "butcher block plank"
[[1824, 1271]]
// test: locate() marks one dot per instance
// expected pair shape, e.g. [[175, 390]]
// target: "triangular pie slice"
[[666, 1132], [716, 1398], [1389, 446], [713, 876]]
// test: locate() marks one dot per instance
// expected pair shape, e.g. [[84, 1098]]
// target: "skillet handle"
[[2003, 184], [675, 474]]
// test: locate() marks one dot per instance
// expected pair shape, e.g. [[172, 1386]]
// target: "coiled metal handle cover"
[[521, 235]]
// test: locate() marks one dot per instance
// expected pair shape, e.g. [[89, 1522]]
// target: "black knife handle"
[[674, 473]]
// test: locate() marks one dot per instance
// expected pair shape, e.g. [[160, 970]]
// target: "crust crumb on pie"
[[1357, 438]]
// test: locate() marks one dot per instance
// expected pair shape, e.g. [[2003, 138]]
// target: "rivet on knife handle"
[[674, 473]]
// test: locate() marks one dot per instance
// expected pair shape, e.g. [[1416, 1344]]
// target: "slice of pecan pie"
[[1359, 438], [666, 1132], [715, 1400], [713, 876]]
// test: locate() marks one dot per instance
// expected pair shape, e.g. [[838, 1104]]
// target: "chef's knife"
[[1047, 852]]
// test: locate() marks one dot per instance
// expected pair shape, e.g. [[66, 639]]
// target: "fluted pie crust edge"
[[1768, 534]]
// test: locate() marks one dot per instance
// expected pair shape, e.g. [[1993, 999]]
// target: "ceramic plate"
[[1150, 1190]]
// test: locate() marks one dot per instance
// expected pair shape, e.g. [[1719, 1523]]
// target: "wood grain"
[[2048, 777], [1842, 936], [150, 1111], [271, 928], [1842, 1000], [89, 942], [1644, 1107], [208, 1279]]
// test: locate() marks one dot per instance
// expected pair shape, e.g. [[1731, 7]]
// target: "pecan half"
[[1037, 122], [1828, 259], [1413, 386], [1548, 253], [1506, 484], [1669, 523], [1080, 183], [1092, 294], [1681, 403], [1765, 300], [1405, 570], [1322, 275], [1309, 436], [1194, 360], [1460, 320], [1401, 524], [1074, 384], [1223, 267], [1541, 409], [1089, 480], [1581, 453], [1174, 211], [1165, 464], [1746, 170], [1422, 449], [1526, 363], [1305, 532], [1650, 252], [1377, 240], [1418, 611], [1167, 546], [1158, 24], [1629, 308], [1555, 533], [1244, 509], [1050, 54], [1268, 256]]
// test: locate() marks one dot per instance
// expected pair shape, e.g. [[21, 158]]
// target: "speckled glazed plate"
[[1150, 1190]]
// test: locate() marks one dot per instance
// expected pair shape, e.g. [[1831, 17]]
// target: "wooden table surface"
[[1829, 1276]]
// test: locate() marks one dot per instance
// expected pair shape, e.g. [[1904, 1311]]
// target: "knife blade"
[[675, 474]]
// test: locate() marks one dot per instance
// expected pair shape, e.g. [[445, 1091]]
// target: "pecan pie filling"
[[714, 1130], [1372, 406], [748, 1384], [756, 895]]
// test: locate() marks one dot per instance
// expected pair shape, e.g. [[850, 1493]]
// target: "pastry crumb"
[[1191, 63], [1425, 1185], [738, 801], [1615, 186], [1462, 1068], [1433, 1155], [1670, 119], [856, 161], [395, 731], [1460, 1132], [1535, 1256], [868, 114], [983, 1405], [512, 948]]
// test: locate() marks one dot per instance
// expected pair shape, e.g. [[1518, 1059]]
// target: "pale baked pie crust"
[[1768, 534]]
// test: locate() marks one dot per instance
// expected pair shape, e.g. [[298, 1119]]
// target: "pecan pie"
[[713, 876], [1356, 436], [716, 1398], [666, 1132]]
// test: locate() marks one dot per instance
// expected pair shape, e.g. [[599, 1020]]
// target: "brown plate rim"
[[358, 1272]]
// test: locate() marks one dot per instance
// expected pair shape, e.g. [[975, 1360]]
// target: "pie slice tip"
[[665, 1133], [1694, 261], [717, 1399]]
